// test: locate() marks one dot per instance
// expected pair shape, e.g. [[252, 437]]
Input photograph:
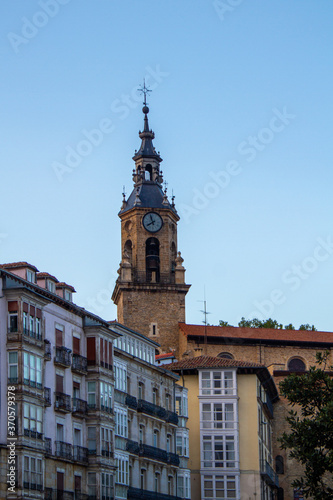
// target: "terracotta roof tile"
[[62, 284], [168, 355], [46, 275], [269, 334], [18, 265], [210, 362]]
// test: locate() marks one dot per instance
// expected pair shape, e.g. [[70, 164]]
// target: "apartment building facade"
[[230, 421]]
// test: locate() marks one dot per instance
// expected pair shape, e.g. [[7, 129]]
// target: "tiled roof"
[[18, 265], [46, 275], [163, 356], [268, 334], [210, 362], [62, 284]]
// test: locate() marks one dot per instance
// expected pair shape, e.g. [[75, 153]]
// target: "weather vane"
[[144, 90]]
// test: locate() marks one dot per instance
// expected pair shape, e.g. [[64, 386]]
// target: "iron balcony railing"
[[131, 402], [132, 447], [173, 459], [172, 417], [32, 434], [152, 409], [138, 494], [80, 454], [48, 446], [47, 396], [51, 494], [79, 363], [47, 351], [269, 474], [62, 402], [63, 450], [79, 406], [63, 356]]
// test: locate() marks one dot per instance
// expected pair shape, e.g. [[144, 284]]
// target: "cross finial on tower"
[[144, 90]]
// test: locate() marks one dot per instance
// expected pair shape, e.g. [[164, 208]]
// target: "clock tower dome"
[[150, 290]]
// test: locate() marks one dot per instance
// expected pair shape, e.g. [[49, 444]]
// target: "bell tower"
[[150, 290]]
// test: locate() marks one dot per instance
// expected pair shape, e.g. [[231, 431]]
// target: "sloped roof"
[[232, 333], [18, 265], [210, 362]]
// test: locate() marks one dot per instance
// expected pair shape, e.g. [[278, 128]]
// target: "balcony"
[[172, 418], [32, 334], [64, 450], [47, 396], [138, 494], [107, 453], [79, 364], [133, 447], [47, 350], [32, 434], [62, 357], [154, 453], [268, 474], [151, 409], [131, 402], [62, 402], [173, 459], [79, 407], [80, 454], [51, 494], [48, 446]]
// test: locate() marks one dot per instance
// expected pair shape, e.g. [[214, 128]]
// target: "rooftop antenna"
[[205, 313], [144, 90]]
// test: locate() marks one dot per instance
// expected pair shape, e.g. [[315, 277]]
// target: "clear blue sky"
[[242, 111]]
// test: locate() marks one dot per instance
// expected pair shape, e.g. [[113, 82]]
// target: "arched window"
[[296, 365], [149, 172], [153, 260], [128, 250], [279, 464], [225, 355], [173, 256]]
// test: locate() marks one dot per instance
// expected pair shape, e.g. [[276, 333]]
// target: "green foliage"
[[223, 323], [308, 327], [310, 439], [289, 327], [257, 323]]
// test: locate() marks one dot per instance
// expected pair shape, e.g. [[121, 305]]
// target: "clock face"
[[152, 222]]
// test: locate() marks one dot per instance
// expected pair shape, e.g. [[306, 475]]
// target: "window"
[[219, 451], [156, 438], [168, 443], [30, 276], [218, 416], [106, 441], [12, 320], [68, 295], [217, 382], [106, 396], [32, 370], [38, 329], [181, 403], [170, 485], [92, 395], [215, 486], [121, 421], [225, 355], [279, 464], [92, 440], [157, 482], [33, 476], [296, 365], [155, 396], [182, 443], [107, 486], [105, 351], [92, 484], [51, 286], [141, 433], [120, 371], [167, 401], [122, 462], [12, 368], [33, 421], [143, 479], [141, 391]]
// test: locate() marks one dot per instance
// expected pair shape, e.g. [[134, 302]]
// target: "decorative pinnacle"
[[144, 90]]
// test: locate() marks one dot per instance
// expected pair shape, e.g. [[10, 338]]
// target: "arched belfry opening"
[[153, 260], [173, 255], [149, 172], [128, 250]]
